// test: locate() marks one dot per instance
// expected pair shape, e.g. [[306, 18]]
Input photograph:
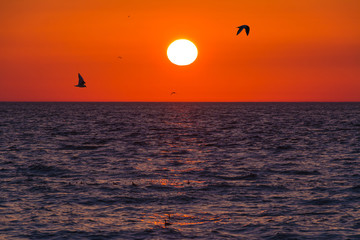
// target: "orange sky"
[[306, 50]]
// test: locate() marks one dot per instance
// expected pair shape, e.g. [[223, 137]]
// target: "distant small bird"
[[81, 83], [172, 93], [166, 223], [133, 184], [246, 27], [120, 57]]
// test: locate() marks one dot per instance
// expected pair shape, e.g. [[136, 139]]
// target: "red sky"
[[306, 50]]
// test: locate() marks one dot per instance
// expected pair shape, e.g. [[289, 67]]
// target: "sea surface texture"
[[207, 170]]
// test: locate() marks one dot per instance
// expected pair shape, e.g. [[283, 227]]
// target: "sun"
[[182, 52]]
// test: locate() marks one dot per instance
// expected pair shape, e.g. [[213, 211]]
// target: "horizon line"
[[179, 101]]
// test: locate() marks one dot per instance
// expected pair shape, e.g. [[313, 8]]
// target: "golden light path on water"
[[176, 171]]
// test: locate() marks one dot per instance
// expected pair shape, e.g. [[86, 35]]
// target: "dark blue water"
[[212, 170]]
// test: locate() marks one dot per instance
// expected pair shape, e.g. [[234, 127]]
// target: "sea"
[[179, 170]]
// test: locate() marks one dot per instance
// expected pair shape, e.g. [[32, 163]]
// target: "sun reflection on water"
[[179, 220]]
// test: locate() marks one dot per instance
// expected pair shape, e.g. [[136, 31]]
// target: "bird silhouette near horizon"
[[246, 27], [81, 83], [172, 93]]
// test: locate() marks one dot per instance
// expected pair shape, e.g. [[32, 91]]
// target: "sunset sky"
[[306, 50]]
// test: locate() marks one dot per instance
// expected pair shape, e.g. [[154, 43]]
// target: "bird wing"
[[81, 80], [246, 27], [239, 31]]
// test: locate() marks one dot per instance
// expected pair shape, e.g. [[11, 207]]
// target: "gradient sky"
[[306, 50]]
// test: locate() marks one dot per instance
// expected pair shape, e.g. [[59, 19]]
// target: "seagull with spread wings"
[[81, 83], [246, 27]]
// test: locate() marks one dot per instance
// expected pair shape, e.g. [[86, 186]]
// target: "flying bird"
[[246, 27], [172, 93], [81, 83]]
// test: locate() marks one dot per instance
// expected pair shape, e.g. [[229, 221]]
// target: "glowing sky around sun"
[[296, 50]]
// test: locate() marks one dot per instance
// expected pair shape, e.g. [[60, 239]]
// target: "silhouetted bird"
[[81, 83], [172, 93], [246, 27]]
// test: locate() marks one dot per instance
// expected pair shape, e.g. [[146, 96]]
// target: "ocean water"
[[210, 170]]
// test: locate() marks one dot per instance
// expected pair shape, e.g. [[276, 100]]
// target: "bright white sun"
[[182, 52]]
